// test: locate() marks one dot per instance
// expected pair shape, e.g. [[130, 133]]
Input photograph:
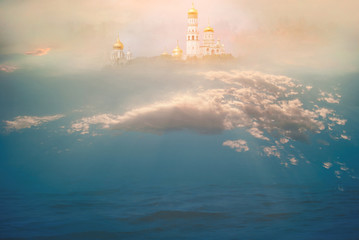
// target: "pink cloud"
[[38, 52], [7, 68]]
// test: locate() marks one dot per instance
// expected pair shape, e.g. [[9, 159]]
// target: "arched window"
[[197, 38], [189, 37], [192, 37]]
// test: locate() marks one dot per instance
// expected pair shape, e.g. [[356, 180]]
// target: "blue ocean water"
[[176, 185], [238, 211]]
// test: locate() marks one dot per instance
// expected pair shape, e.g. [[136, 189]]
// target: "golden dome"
[[208, 29], [118, 45], [164, 53], [177, 51], [192, 12]]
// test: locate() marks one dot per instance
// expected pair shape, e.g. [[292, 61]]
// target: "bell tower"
[[192, 49]]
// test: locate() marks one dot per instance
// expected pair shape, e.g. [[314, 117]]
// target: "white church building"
[[118, 56], [209, 45], [195, 48]]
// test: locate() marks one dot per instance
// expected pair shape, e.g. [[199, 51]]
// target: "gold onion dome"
[[118, 45], [192, 12], [177, 51], [208, 29]]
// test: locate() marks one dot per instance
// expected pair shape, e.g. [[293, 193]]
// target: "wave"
[[184, 215]]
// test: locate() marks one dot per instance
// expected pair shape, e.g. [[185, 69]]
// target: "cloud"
[[83, 125], [239, 145], [338, 120], [344, 168], [21, 122], [38, 52], [327, 165], [271, 151], [8, 68], [255, 132], [323, 112], [293, 161], [273, 84], [255, 101], [328, 97], [202, 115], [345, 137], [261, 100]]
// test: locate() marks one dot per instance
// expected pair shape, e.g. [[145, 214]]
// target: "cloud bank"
[[260, 103], [269, 111]]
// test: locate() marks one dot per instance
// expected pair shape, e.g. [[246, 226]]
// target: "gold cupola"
[[208, 28], [118, 45], [177, 51], [192, 12]]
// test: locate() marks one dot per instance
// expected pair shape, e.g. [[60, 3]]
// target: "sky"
[[54, 63], [320, 36]]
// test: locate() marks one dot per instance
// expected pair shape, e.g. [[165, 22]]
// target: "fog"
[[316, 36]]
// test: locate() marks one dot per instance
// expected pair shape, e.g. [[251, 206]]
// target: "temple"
[[198, 46], [194, 48], [118, 56]]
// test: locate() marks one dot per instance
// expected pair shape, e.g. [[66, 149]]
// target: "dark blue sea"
[[238, 211]]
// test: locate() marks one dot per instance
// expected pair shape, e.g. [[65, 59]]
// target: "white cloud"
[[328, 97], [344, 168], [331, 100], [345, 137], [21, 122], [200, 114], [338, 120], [83, 125], [275, 84], [323, 112], [293, 161], [250, 100], [38, 52], [255, 132], [239, 145], [337, 174], [327, 165], [8, 68], [271, 151]]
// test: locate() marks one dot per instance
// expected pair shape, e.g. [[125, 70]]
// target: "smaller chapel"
[[118, 56]]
